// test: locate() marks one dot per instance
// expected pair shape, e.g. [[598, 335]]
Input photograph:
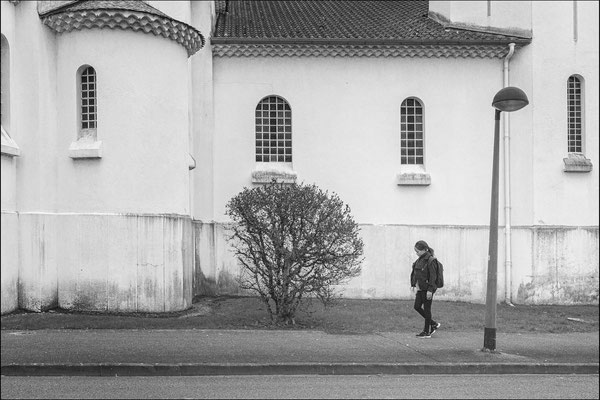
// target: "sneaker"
[[434, 328], [424, 335]]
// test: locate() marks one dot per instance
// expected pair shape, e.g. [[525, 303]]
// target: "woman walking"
[[423, 277]]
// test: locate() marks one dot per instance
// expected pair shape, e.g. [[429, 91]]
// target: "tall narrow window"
[[5, 75], [89, 105], [273, 119], [87, 144], [9, 146], [411, 132], [574, 115]]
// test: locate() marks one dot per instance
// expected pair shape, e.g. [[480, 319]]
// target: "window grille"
[[273, 130], [411, 132], [88, 99], [574, 115]]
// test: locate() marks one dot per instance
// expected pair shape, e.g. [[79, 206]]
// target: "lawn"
[[346, 316]]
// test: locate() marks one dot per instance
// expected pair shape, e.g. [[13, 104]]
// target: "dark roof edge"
[[321, 41]]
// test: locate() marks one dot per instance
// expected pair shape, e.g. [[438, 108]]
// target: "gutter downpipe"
[[507, 201]]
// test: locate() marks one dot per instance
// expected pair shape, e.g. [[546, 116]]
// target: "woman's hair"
[[422, 245]]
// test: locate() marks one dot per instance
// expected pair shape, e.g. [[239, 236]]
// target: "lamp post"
[[508, 99]]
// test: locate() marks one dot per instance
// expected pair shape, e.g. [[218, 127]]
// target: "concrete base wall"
[[550, 265], [10, 261], [157, 263], [98, 262]]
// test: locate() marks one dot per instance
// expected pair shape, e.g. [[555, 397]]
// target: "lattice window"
[[411, 132], [574, 115], [273, 119], [89, 105]]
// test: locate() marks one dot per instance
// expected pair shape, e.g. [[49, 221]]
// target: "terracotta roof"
[[340, 21], [128, 14]]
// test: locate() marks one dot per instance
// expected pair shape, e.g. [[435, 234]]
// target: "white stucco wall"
[[9, 258], [142, 123], [346, 131], [202, 117], [109, 233], [345, 123], [563, 198], [512, 15]]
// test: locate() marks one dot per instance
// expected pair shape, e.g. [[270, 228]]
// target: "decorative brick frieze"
[[335, 50], [181, 33]]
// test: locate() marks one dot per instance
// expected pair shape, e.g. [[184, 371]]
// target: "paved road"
[[306, 386]]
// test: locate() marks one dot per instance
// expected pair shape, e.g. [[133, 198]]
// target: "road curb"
[[203, 369]]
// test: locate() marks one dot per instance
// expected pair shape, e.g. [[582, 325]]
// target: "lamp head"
[[510, 99]]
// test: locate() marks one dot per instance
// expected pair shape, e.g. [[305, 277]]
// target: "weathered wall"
[[547, 267], [557, 265], [9, 259], [106, 262], [110, 233]]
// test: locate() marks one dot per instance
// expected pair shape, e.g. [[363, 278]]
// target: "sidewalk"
[[227, 352]]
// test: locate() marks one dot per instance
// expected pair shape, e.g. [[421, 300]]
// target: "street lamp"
[[508, 99]]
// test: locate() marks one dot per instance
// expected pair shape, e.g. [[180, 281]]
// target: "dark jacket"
[[424, 272]]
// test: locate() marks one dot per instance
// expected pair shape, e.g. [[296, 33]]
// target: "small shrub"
[[293, 241]]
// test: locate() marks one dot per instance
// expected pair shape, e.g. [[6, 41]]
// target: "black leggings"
[[423, 307]]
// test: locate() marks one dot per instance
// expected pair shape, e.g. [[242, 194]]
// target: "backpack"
[[439, 269]]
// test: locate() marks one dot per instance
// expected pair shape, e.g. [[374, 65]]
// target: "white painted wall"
[[511, 15], [98, 234], [346, 131], [346, 139], [80, 217], [9, 258], [202, 115], [563, 198], [142, 123]]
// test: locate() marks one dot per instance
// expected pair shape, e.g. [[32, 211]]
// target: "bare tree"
[[293, 241]]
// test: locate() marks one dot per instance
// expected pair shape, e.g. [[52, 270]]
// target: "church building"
[[127, 126]]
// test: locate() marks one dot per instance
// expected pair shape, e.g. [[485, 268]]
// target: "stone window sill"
[[9, 146], [86, 148], [413, 179], [280, 172], [576, 162]]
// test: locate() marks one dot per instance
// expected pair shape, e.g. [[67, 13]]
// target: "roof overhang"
[[69, 20], [288, 47]]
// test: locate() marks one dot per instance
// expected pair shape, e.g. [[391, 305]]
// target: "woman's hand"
[[429, 295]]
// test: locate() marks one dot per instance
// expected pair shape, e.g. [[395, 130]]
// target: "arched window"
[[574, 115], [273, 119], [9, 146], [411, 132], [87, 144], [88, 102], [5, 94]]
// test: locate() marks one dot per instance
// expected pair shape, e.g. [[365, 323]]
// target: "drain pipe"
[[507, 202]]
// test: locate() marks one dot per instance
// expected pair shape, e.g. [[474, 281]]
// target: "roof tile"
[[339, 19]]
